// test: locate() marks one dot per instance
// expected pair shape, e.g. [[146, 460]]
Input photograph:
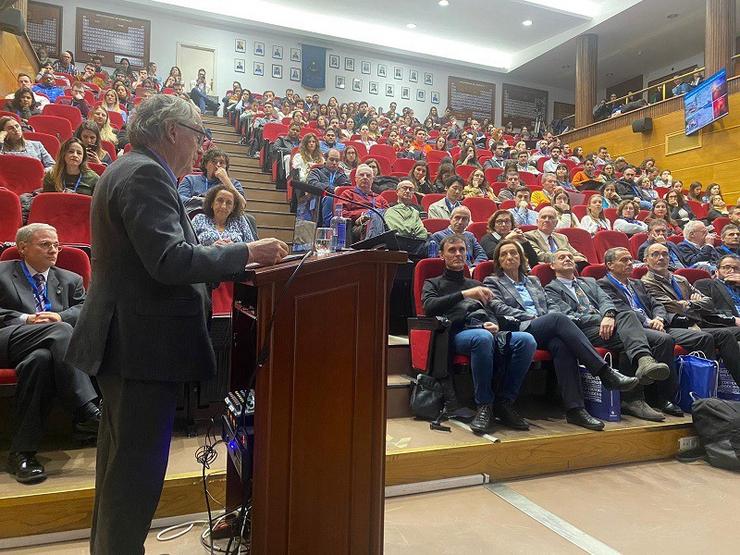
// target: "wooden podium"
[[319, 444]]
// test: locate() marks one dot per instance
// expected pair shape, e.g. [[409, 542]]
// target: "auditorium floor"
[[658, 507]]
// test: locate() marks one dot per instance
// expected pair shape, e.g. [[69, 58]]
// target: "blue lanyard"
[[634, 299], [731, 290], [676, 288], [39, 295], [77, 183]]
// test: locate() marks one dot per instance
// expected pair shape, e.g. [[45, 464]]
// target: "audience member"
[[627, 221], [730, 241], [329, 176], [498, 159], [466, 304], [657, 233], [442, 209], [501, 226], [718, 208], [224, 219], [39, 304], [70, 172], [522, 212], [546, 195], [350, 159], [595, 220], [661, 211], [47, 87], [111, 104], [78, 98], [364, 222], [25, 82], [681, 212], [459, 220], [586, 179], [13, 142], [697, 249], [200, 91], [512, 185], [330, 141], [66, 63], [444, 171], [695, 192], [477, 186], [724, 290], [23, 105], [308, 155], [214, 167], [520, 304], [546, 242], [551, 165], [419, 176], [100, 116], [566, 218], [403, 217]]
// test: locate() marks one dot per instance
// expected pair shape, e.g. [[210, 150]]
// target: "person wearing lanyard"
[[725, 289], [39, 304], [328, 177], [70, 172]]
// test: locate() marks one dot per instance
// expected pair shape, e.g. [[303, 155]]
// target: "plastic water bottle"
[[433, 249], [339, 225]]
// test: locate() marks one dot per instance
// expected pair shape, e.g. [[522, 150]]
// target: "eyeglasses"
[[200, 132], [48, 245], [729, 268], [659, 254]]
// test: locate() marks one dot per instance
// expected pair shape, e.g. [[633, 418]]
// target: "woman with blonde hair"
[[309, 154], [70, 172], [111, 104], [100, 116]]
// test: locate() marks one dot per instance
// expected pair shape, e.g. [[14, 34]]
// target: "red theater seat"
[[50, 142], [69, 213], [10, 215], [21, 174]]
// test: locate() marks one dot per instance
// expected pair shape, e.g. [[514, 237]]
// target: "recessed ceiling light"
[[566, 66], [610, 74], [444, 3], [672, 16], [527, 22], [411, 25]]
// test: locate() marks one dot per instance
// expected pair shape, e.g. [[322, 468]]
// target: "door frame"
[[200, 47]]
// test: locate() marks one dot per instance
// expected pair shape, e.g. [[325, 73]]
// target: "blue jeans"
[[479, 344]]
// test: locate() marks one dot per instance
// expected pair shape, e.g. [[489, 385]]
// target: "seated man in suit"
[[730, 240], [546, 242], [39, 304], [465, 302], [583, 301], [657, 233], [520, 304], [328, 177], [724, 290], [443, 208], [680, 298], [459, 220], [697, 249]]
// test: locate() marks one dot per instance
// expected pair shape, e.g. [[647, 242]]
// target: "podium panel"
[[320, 403]]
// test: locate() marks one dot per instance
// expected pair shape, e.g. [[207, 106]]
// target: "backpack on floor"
[[717, 422]]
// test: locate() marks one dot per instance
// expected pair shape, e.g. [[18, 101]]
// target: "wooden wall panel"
[[717, 160], [16, 56]]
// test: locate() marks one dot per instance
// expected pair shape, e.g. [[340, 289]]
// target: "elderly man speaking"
[[143, 329]]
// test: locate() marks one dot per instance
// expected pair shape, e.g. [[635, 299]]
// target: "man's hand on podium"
[[267, 252]]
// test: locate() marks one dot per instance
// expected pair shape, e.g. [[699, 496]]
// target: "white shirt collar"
[[33, 271]]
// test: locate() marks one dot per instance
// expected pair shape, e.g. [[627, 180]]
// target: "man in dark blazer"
[[724, 290], [144, 327], [39, 304]]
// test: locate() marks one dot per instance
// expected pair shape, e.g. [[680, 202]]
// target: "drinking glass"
[[322, 242]]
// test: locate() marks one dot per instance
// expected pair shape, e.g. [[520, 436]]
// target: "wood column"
[[719, 36], [586, 62]]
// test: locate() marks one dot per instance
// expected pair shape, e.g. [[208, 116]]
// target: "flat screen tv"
[[706, 103]]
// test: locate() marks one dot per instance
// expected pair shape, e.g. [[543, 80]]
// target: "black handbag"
[[427, 397]]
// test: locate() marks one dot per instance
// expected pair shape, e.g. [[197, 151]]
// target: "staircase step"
[[280, 207], [244, 163], [282, 233], [223, 136], [264, 195], [273, 219], [398, 395], [232, 148], [399, 360], [246, 176]]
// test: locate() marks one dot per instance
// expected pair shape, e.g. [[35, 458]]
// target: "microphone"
[[318, 191]]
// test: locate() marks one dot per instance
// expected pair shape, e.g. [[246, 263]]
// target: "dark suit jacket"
[[690, 254], [507, 301], [653, 309], [65, 292], [560, 299], [717, 291], [147, 310]]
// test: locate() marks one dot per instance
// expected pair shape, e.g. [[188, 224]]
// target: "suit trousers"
[[636, 342], [133, 450], [36, 351], [568, 345], [725, 341]]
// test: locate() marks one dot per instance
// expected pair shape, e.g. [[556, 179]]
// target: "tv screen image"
[[706, 103]]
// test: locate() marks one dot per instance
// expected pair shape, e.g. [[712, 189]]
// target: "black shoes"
[[580, 417], [86, 430], [669, 408], [508, 416], [611, 379], [482, 420], [25, 468]]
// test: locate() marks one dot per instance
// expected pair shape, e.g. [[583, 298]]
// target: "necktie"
[[38, 294], [552, 243], [584, 304]]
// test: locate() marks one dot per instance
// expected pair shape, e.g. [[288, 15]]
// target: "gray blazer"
[[508, 302], [148, 308], [65, 292], [560, 299]]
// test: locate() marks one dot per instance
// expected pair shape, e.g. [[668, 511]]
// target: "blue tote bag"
[[599, 402], [698, 378]]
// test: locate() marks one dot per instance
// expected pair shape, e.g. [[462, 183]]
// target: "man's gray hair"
[[461, 209], [548, 174], [25, 233], [611, 254], [690, 227], [146, 128], [727, 228], [363, 166]]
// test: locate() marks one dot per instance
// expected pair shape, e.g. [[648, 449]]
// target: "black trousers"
[[636, 342], [36, 351], [725, 343], [133, 450], [568, 345]]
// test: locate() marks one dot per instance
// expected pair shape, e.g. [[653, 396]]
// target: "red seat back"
[[610, 214], [693, 274], [579, 211], [596, 271], [10, 215], [425, 269], [97, 168], [390, 195], [436, 155], [70, 113], [359, 147], [492, 174], [69, 258], [465, 171], [13, 115], [69, 213], [639, 271], [50, 142], [115, 119], [529, 179], [386, 151], [483, 270], [61, 128], [700, 210], [479, 229], [481, 208], [635, 241], [403, 165], [581, 240], [544, 273], [607, 239], [222, 298], [110, 148], [719, 223], [428, 200], [383, 163], [676, 239], [21, 174], [433, 225], [271, 131]]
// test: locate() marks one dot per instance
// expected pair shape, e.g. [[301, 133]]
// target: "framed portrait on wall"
[[357, 84], [421, 95], [413, 76], [373, 89], [240, 46], [277, 52], [333, 61], [428, 79], [295, 74], [238, 65], [295, 54], [390, 90], [259, 48], [349, 64], [339, 82], [382, 70], [434, 97], [365, 67], [277, 71], [405, 93], [258, 69], [397, 73]]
